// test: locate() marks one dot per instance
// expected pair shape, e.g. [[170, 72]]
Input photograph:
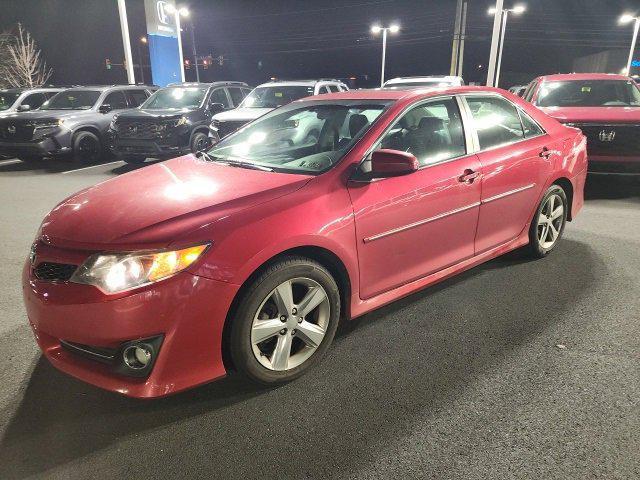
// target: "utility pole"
[[463, 33], [455, 48], [495, 41], [124, 27], [193, 47]]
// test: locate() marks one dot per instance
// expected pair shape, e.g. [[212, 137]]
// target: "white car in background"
[[267, 97], [400, 83]]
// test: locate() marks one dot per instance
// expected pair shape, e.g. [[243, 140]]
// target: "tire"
[[544, 235], [261, 306], [87, 148], [134, 160], [199, 142]]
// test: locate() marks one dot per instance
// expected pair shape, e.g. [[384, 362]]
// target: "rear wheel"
[[87, 148], [285, 321], [548, 222]]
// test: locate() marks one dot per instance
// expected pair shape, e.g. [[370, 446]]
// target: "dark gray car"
[[74, 121]]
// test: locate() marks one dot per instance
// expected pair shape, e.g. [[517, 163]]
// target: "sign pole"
[[124, 27]]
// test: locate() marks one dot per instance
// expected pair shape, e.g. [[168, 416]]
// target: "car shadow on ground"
[[449, 334], [47, 165]]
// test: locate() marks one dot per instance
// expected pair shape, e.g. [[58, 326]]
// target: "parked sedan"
[[247, 257], [605, 107]]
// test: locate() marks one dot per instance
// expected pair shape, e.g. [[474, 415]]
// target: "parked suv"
[[74, 121], [402, 83], [173, 121], [605, 107], [24, 99], [265, 98]]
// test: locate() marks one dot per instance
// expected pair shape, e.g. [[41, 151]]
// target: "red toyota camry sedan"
[[246, 257]]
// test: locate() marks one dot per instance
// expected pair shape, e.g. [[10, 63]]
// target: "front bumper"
[[173, 145], [44, 147], [614, 165], [187, 311]]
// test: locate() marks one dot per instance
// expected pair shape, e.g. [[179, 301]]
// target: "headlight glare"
[[181, 121], [117, 272], [49, 124]]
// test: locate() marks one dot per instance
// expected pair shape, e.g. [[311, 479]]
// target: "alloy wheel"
[[550, 221], [290, 324]]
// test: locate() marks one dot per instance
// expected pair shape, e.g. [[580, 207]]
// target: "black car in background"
[[74, 121], [173, 121]]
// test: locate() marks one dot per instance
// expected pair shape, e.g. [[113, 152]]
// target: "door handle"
[[468, 176], [546, 153]]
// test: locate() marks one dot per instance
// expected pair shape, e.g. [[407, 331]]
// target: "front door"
[[413, 225]]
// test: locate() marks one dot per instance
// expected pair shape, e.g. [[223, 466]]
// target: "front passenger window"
[[432, 132], [116, 100]]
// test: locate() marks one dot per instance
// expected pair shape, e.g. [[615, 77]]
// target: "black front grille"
[[54, 272], [226, 128], [138, 129], [12, 131], [610, 140]]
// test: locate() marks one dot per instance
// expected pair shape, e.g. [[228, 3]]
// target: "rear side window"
[[136, 97], [334, 88], [220, 96], [116, 100], [237, 95], [531, 128], [531, 89], [34, 100], [496, 121]]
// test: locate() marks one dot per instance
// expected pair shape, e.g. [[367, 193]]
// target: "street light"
[[627, 18], [377, 29], [178, 12], [517, 10]]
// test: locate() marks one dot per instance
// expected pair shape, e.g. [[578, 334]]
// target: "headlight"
[[181, 121], [49, 124], [117, 272]]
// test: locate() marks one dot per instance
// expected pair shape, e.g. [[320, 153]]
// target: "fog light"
[[137, 357]]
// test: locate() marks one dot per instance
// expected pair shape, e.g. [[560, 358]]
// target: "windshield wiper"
[[233, 162]]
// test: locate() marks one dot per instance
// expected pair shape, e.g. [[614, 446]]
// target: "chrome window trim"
[[475, 133], [508, 193], [419, 223]]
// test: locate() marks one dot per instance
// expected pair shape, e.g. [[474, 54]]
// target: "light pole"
[[377, 29], [178, 12], [626, 18], [142, 40], [505, 13], [193, 48]]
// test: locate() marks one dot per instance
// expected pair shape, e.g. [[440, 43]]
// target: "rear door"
[[516, 157], [410, 226]]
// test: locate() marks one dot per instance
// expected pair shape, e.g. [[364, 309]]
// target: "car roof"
[[383, 94], [422, 78], [301, 83], [207, 84], [27, 89], [582, 76]]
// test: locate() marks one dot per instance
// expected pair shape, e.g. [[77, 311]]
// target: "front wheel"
[[87, 148], [548, 222], [199, 142], [285, 321]]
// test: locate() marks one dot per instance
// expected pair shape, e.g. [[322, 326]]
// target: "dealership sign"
[[635, 63], [163, 42]]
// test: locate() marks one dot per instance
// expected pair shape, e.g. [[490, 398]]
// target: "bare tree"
[[20, 62]]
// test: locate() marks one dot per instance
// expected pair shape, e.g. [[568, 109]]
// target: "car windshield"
[[72, 100], [308, 138], [589, 93], [175, 98], [7, 99], [275, 96]]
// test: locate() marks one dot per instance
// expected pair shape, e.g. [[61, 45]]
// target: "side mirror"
[[216, 107], [392, 163], [104, 108], [24, 108]]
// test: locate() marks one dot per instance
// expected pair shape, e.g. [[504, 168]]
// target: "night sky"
[[304, 39]]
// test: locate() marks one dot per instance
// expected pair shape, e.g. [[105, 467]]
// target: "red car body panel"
[[391, 236], [603, 118]]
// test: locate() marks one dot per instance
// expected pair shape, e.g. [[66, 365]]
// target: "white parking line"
[[9, 162], [92, 166]]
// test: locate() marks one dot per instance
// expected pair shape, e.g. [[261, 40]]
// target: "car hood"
[[153, 206], [594, 114], [44, 115], [241, 114], [139, 114]]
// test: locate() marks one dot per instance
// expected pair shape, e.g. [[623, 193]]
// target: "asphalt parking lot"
[[515, 369]]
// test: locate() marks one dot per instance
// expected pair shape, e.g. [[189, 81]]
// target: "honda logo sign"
[[607, 136]]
